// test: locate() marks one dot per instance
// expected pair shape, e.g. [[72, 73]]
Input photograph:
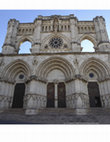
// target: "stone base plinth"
[[31, 112], [81, 111]]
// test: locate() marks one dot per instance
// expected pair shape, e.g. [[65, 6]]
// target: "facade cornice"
[[58, 53]]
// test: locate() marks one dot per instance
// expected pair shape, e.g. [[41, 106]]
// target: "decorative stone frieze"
[[34, 101]]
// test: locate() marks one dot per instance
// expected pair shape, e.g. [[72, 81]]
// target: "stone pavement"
[[57, 116]]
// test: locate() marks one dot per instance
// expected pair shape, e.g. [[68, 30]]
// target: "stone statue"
[[34, 62], [55, 24], [76, 63]]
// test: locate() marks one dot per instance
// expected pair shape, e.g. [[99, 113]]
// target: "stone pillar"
[[9, 46], [56, 96], [81, 93], [70, 94], [74, 35], [104, 87], [101, 34], [35, 97], [56, 92], [36, 36], [6, 95], [77, 93]]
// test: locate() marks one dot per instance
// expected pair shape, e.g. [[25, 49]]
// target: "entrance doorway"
[[18, 95], [94, 94], [61, 95], [56, 92], [50, 95]]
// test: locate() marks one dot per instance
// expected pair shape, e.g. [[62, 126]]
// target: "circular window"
[[91, 75], [21, 76], [56, 42]]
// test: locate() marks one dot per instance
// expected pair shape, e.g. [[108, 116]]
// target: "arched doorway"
[[56, 70], [18, 95], [94, 94]]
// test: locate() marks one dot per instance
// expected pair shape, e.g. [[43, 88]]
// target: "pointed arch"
[[97, 65], [55, 63], [87, 46], [90, 38], [23, 39], [14, 68]]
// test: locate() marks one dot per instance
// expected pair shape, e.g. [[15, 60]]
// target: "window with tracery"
[[56, 42]]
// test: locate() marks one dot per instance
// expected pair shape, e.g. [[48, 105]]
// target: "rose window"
[[56, 42]]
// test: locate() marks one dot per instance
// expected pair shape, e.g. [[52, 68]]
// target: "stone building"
[[56, 74]]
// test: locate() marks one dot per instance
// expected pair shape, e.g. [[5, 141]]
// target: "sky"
[[29, 15]]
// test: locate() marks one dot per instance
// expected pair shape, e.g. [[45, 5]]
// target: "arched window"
[[25, 47], [87, 46]]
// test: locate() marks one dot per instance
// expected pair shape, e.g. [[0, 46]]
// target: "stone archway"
[[22, 40], [16, 72], [56, 71], [95, 71]]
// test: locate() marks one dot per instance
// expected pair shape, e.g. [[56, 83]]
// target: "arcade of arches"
[[56, 73]]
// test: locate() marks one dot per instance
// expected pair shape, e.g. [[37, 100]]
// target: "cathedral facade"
[[56, 74]]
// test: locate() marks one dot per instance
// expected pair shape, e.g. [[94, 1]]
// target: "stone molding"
[[36, 78]]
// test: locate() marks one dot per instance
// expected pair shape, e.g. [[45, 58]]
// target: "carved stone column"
[[56, 93], [9, 46]]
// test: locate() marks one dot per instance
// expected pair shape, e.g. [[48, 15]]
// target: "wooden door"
[[61, 95], [94, 94], [50, 95], [18, 95]]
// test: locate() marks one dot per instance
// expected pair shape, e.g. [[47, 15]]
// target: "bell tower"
[[9, 46], [102, 39]]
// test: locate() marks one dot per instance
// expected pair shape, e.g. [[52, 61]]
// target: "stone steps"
[[91, 111], [63, 111], [14, 111], [57, 116]]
